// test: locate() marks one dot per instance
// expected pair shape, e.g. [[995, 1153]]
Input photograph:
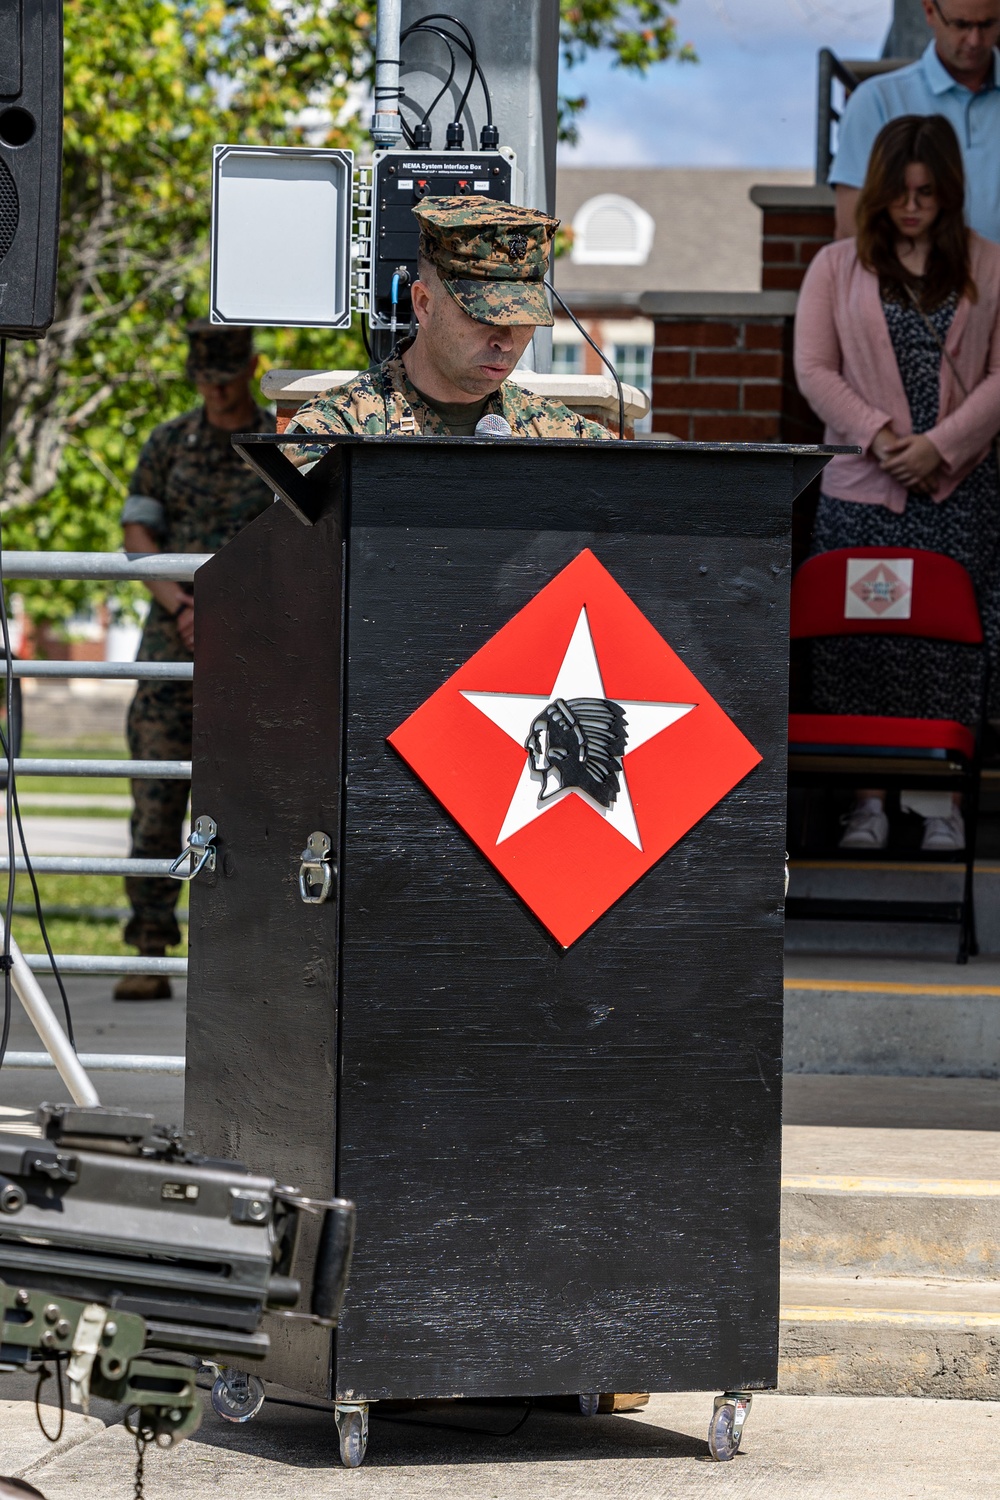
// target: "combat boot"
[[145, 986]]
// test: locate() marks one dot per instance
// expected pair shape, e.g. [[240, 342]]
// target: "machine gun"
[[120, 1248]]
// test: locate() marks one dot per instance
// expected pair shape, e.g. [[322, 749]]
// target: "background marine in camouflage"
[[479, 298], [191, 492]]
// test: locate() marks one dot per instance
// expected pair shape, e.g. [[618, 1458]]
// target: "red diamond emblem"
[[880, 588], [588, 748]]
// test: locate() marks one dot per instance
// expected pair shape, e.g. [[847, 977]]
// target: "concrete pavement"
[[795, 1448]]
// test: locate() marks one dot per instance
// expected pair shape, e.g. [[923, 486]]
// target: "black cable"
[[45, 1374], [448, 81], [473, 55], [598, 351], [476, 69], [6, 961], [13, 811], [469, 48], [39, 914]]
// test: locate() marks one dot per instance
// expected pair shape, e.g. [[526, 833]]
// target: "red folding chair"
[[890, 591]]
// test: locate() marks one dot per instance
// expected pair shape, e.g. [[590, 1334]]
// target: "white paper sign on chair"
[[879, 588]]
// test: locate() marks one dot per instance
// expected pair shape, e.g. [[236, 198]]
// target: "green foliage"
[[150, 87], [637, 34]]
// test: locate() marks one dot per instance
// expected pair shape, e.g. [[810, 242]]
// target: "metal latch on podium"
[[317, 869], [199, 851]]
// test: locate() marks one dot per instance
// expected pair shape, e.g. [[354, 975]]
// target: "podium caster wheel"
[[725, 1430], [237, 1397], [352, 1426], [590, 1402]]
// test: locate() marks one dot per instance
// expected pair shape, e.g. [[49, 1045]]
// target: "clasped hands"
[[913, 461]]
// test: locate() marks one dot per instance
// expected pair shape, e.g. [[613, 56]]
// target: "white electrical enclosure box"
[[281, 236]]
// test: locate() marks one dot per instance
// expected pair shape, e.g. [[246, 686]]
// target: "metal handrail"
[[179, 567], [160, 770], [140, 671], [142, 567], [101, 1062], [85, 864], [849, 75], [93, 963]]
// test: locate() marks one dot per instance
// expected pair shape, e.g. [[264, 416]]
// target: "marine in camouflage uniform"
[[491, 258], [192, 492]]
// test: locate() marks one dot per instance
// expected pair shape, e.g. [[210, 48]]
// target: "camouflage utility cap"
[[215, 353], [491, 256]]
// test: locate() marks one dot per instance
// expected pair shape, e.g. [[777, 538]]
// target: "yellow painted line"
[[889, 1315], [890, 987], [912, 866], [925, 1187]]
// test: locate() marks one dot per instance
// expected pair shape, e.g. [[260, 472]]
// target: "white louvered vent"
[[610, 230]]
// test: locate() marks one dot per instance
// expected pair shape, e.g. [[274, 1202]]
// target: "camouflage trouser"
[[159, 728]]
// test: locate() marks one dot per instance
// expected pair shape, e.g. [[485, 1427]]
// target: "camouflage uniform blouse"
[[384, 402], [194, 493]]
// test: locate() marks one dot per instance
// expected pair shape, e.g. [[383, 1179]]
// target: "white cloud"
[[750, 101]]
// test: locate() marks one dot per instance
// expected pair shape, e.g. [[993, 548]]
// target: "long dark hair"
[[931, 141]]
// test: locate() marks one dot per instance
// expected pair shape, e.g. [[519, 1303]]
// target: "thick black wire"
[[13, 810], [448, 81], [601, 354], [39, 913], [470, 51], [6, 961], [477, 71], [473, 54]]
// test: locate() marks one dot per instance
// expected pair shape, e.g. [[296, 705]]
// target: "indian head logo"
[[579, 744], [595, 749]]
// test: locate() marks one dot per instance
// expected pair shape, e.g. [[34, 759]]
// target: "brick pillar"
[[722, 368], [795, 223]]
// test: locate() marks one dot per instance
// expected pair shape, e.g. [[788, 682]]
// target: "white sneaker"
[[944, 835], [865, 828]]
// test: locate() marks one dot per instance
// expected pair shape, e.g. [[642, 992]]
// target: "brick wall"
[[722, 368], [796, 222]]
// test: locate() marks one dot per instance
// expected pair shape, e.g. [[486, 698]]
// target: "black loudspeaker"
[[30, 163]]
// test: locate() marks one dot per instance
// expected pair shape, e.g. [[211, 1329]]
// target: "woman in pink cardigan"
[[870, 365]]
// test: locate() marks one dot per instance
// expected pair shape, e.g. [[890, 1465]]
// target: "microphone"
[[492, 426]]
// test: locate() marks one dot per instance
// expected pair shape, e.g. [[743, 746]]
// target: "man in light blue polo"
[[958, 77]]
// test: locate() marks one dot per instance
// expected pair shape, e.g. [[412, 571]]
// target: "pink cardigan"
[[847, 371]]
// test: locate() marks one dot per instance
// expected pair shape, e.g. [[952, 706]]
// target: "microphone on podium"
[[492, 426]]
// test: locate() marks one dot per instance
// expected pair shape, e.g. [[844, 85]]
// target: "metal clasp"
[[200, 851], [317, 870]]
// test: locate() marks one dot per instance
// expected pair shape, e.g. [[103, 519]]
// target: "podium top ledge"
[[243, 440], [593, 471]]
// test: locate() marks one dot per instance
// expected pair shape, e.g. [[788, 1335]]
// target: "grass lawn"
[[68, 934], [62, 894], [81, 785]]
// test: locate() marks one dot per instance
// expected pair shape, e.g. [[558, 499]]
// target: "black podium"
[[547, 1064]]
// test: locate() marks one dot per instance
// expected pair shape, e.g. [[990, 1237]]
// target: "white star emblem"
[[579, 676]]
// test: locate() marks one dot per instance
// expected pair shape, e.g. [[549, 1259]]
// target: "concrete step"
[[877, 1015], [890, 1203], [889, 1337], [890, 1281]]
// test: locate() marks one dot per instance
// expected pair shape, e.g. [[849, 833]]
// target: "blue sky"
[[749, 102]]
